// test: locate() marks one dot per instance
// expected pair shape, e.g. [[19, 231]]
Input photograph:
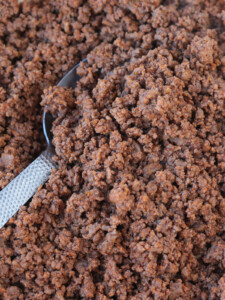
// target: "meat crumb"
[[136, 208]]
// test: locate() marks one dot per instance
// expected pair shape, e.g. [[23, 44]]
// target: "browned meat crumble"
[[136, 209]]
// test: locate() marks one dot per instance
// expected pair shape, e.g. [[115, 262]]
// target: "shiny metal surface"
[[24, 186]]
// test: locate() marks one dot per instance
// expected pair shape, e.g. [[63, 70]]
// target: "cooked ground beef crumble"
[[136, 209]]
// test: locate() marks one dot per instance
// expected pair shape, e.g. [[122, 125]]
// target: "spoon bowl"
[[68, 81], [24, 186]]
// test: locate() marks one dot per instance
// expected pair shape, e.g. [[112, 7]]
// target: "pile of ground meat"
[[136, 209]]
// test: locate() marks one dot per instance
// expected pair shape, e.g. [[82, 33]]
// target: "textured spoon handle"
[[23, 187]]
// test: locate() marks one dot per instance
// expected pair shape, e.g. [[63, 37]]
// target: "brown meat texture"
[[136, 208]]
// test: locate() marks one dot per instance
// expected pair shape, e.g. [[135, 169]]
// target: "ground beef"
[[136, 208]]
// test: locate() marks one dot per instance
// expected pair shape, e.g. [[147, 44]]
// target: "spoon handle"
[[23, 187]]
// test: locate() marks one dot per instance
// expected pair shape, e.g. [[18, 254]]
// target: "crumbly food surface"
[[136, 209]]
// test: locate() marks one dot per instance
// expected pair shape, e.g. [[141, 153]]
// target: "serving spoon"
[[24, 186]]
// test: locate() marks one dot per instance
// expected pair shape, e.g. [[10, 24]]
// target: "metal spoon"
[[24, 186]]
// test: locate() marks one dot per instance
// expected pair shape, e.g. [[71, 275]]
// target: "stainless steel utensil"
[[23, 187]]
